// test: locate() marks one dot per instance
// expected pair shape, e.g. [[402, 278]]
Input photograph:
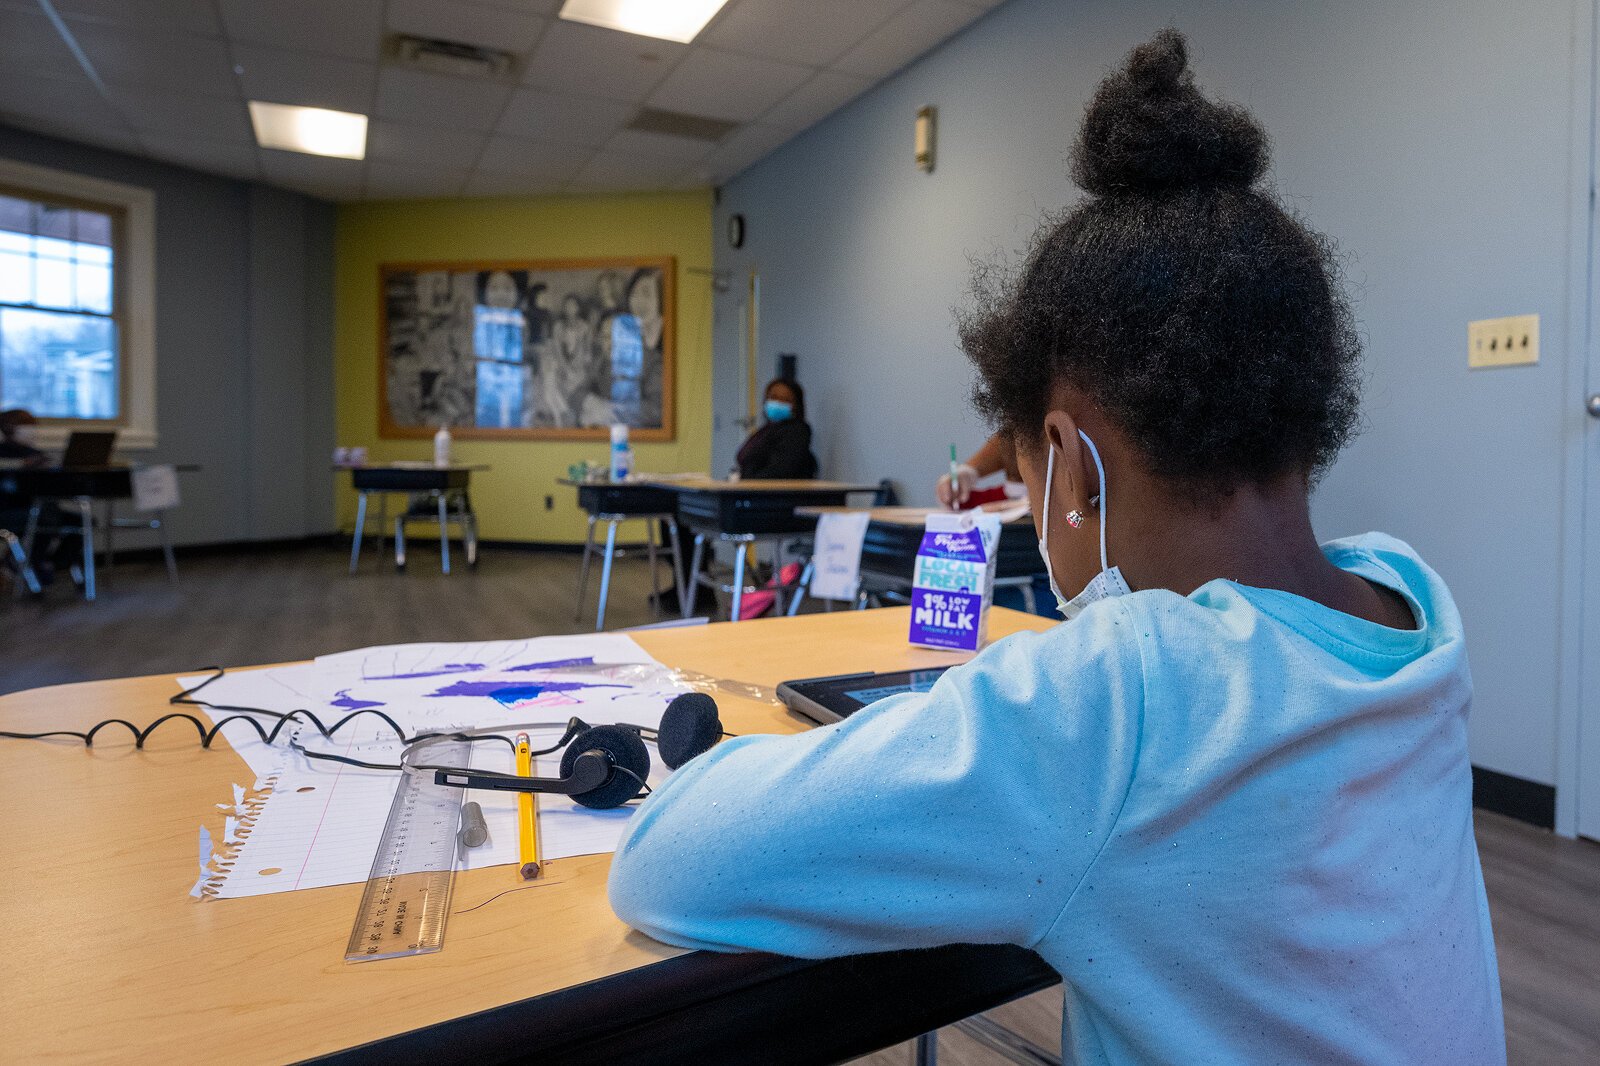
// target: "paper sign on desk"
[[836, 573]]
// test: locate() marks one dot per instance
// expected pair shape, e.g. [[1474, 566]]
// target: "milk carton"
[[954, 581]]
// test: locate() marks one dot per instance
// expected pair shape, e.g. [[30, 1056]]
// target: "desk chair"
[[590, 549], [155, 492], [443, 506], [745, 547]]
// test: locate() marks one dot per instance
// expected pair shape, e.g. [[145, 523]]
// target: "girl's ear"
[[1079, 481]]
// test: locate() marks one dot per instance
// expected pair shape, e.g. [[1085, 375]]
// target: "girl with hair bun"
[[1229, 799]]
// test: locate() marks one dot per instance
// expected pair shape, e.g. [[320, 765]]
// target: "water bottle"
[[441, 447], [621, 454]]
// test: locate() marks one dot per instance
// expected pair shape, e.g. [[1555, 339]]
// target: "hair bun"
[[1149, 130]]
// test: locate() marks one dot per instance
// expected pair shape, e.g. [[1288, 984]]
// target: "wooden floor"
[[1544, 892]]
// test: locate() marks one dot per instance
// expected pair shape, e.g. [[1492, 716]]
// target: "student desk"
[[614, 503], [84, 484], [889, 550], [744, 513], [447, 484], [108, 957]]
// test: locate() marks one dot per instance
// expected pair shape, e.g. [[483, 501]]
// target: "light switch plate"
[[1512, 341]]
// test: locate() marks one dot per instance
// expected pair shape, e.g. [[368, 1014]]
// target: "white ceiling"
[[169, 79]]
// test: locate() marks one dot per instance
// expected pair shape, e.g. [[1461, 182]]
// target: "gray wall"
[[1444, 146], [244, 349]]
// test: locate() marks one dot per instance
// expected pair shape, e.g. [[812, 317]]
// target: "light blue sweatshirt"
[[1238, 823]]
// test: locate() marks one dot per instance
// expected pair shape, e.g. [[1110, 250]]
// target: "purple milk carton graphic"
[[954, 581]]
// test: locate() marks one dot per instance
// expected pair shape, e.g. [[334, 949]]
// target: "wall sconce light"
[[925, 137]]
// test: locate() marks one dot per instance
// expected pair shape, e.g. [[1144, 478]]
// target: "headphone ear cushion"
[[625, 750], [689, 727]]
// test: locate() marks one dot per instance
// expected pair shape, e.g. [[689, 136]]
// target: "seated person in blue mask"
[[781, 447], [1230, 798]]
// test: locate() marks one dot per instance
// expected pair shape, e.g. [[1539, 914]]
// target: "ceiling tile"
[[71, 100], [608, 170], [319, 175], [514, 156], [285, 77], [502, 28], [815, 32], [743, 147], [213, 157], [391, 181], [31, 48], [908, 35], [195, 16], [727, 85], [481, 184], [438, 100], [544, 116], [156, 57], [402, 142], [118, 138], [157, 110], [658, 145], [816, 99], [349, 28], [575, 58]]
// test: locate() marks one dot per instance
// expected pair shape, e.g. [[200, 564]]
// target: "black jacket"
[[778, 450]]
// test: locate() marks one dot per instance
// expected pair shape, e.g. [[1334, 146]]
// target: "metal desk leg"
[[469, 528], [677, 560], [925, 1051], [1029, 600], [805, 583], [444, 534], [166, 547], [605, 575], [691, 589], [383, 519], [738, 579], [88, 547], [399, 543], [583, 569], [18, 556], [361, 523], [650, 550], [111, 525]]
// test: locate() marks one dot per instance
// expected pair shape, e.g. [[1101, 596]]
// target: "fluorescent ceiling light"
[[313, 130], [670, 20]]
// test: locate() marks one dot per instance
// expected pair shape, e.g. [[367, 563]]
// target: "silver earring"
[[1074, 518], [1094, 501]]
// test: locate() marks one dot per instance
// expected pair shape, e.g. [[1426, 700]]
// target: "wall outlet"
[[549, 503], [1512, 341]]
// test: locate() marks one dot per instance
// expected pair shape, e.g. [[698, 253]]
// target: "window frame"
[[132, 293]]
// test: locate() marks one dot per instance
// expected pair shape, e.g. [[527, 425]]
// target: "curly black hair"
[[1199, 315]]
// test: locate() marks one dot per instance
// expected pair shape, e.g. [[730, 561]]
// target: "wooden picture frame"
[[554, 349]]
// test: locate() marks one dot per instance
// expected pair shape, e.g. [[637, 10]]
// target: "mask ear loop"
[[1105, 497]]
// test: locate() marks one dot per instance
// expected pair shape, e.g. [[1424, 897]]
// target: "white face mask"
[[1109, 581]]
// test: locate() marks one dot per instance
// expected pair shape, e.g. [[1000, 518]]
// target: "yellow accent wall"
[[509, 498]]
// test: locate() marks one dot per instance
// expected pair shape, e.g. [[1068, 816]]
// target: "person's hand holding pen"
[[954, 488]]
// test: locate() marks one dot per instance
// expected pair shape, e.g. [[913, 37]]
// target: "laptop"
[[89, 448]]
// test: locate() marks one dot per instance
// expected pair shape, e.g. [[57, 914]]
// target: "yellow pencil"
[[527, 813]]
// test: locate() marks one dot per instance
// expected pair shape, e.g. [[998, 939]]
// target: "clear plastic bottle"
[[621, 454], [441, 447]]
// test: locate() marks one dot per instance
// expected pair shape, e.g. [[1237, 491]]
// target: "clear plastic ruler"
[[406, 901]]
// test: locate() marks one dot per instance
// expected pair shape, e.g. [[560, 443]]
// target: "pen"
[[527, 814], [955, 480]]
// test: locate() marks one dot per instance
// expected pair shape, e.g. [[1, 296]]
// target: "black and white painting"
[[552, 350]]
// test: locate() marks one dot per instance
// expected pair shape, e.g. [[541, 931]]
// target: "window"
[[59, 354], [76, 302]]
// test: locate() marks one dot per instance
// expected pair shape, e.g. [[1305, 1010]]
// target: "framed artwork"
[[536, 350]]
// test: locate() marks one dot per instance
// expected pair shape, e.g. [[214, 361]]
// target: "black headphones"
[[602, 766]]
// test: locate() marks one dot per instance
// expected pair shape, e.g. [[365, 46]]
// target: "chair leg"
[[20, 558], [32, 528], [111, 526], [738, 579], [160, 524], [805, 583], [691, 588], [469, 528], [383, 519], [605, 575], [88, 548], [444, 534], [400, 543], [583, 569], [361, 522], [925, 1050], [677, 559], [650, 550]]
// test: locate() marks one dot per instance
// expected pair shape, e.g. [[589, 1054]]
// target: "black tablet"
[[833, 699]]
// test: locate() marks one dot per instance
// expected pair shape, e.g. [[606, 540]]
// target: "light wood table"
[[109, 958]]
